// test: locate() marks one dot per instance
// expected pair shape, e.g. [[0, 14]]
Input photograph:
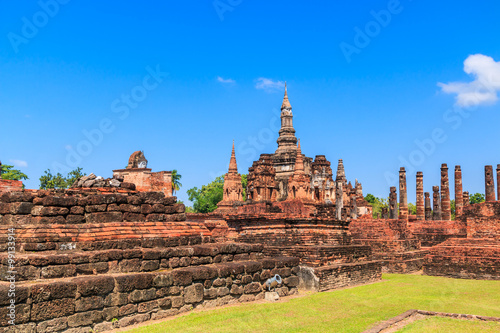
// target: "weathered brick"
[[52, 309], [127, 309], [22, 293], [163, 280], [182, 276], [95, 285], [136, 319], [89, 303], [115, 299], [142, 295], [147, 306], [127, 283], [22, 312], [58, 271], [75, 219], [110, 313], [84, 318], [20, 207], [59, 201], [177, 301], [252, 288], [165, 303], [193, 293], [152, 197], [95, 208], [77, 210], [52, 290], [104, 217], [149, 265], [53, 325]]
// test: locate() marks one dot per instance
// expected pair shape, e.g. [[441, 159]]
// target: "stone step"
[[100, 236], [104, 302], [33, 266], [322, 255]]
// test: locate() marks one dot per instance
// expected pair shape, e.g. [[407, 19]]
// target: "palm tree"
[[176, 177]]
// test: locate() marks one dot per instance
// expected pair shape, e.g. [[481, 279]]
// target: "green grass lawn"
[[347, 310], [440, 325]]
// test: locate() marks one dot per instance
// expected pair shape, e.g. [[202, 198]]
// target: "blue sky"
[[218, 69]]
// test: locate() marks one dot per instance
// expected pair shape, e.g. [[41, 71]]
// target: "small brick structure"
[[137, 173]]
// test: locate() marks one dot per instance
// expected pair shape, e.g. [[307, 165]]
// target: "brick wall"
[[68, 263], [104, 302], [87, 206], [7, 185]]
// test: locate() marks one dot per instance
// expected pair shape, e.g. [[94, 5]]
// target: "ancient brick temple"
[[288, 175], [233, 189], [138, 173]]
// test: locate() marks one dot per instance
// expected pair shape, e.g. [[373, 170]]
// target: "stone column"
[[385, 214], [403, 205], [445, 194], [354, 209], [489, 183], [466, 199], [436, 203], [420, 196], [339, 201], [428, 209], [459, 197], [393, 204], [498, 181]]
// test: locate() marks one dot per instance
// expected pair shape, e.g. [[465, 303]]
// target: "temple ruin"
[[109, 253]]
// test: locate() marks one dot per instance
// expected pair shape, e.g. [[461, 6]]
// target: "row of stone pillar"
[[441, 209], [490, 183]]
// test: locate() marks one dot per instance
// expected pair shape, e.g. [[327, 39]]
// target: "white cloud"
[[269, 85], [485, 86], [68, 147], [19, 163], [227, 81]]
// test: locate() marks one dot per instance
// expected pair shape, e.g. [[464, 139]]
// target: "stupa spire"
[[233, 167]]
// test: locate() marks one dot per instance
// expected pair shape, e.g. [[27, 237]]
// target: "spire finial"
[[233, 167], [286, 103]]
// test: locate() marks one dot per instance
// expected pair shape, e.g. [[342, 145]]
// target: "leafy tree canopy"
[[205, 200], [412, 208], [8, 172], [58, 181], [476, 198], [176, 181], [377, 204]]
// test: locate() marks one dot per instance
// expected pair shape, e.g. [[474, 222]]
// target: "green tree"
[[8, 172], [189, 209], [205, 200], [377, 204], [176, 183], [244, 183], [476, 198], [452, 207], [73, 176], [412, 208], [58, 181]]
